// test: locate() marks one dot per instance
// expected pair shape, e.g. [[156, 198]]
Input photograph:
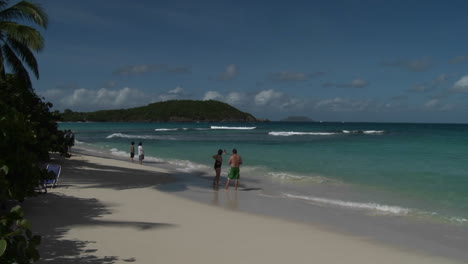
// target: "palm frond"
[[2, 65], [3, 3], [25, 11], [26, 35], [25, 54], [16, 66]]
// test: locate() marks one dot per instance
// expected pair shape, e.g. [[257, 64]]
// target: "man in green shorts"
[[235, 161]]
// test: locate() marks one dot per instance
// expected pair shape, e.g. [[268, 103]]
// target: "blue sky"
[[386, 61]]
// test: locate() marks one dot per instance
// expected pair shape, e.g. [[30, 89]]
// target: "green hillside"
[[168, 111]]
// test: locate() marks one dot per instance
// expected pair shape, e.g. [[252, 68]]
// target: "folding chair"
[[54, 174]]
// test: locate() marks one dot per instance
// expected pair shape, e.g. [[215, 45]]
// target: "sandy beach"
[[111, 211]]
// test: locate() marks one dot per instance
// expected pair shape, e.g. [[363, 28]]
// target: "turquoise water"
[[419, 167]]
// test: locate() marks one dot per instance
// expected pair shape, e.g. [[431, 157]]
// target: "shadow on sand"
[[53, 215]]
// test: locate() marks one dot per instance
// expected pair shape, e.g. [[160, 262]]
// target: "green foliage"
[[19, 41], [17, 243], [168, 111], [28, 131]]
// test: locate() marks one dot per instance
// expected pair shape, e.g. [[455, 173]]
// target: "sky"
[[331, 60]]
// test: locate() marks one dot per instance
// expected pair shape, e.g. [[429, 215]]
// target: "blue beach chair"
[[51, 181]]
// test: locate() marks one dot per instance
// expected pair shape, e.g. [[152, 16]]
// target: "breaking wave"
[[299, 133], [236, 128], [352, 205], [293, 133]]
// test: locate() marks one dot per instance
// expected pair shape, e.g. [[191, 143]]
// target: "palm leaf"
[[3, 3], [15, 64], [23, 34], [25, 11], [2, 65], [26, 55]]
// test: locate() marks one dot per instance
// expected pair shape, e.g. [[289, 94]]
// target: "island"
[[297, 119], [167, 111]]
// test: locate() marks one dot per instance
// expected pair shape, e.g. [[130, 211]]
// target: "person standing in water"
[[234, 173], [217, 166], [141, 153], [132, 151]]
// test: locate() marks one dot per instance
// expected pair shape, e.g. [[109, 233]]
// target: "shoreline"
[[109, 211]]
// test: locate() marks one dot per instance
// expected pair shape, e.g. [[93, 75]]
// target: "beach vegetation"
[[17, 243], [19, 41], [167, 111], [29, 132]]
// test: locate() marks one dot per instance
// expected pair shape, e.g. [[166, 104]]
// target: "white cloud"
[[177, 90], [432, 103], [230, 73], [173, 94], [431, 85], [103, 98], [266, 97], [236, 98], [213, 95], [264, 100], [461, 85], [436, 104], [359, 83]]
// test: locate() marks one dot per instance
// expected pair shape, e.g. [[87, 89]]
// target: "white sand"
[[145, 225]]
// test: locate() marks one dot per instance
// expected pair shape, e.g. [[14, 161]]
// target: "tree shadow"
[[105, 176], [53, 215]]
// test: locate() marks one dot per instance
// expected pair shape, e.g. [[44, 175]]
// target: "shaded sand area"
[[111, 211]]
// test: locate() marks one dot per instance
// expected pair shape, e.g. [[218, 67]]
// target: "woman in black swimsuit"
[[217, 166]]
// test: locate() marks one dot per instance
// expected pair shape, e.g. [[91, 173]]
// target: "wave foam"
[[373, 131], [166, 129], [236, 128], [353, 205], [120, 135], [293, 133]]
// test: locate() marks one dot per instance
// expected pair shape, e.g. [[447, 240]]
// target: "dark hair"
[[139, 144], [220, 151], [133, 143], [234, 151]]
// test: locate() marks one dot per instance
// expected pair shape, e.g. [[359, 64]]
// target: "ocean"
[[414, 171]]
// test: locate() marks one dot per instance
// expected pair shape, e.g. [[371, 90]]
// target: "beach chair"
[[51, 181]]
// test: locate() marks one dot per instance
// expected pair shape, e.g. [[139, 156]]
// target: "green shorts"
[[234, 173]]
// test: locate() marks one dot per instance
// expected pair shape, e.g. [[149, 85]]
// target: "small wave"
[[373, 131], [285, 176], [166, 129], [363, 131], [459, 220], [353, 205], [120, 135], [293, 133], [282, 176], [236, 128], [119, 153]]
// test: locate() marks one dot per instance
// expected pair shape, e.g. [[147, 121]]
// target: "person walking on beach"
[[132, 151], [217, 166], [234, 173], [69, 139], [141, 153]]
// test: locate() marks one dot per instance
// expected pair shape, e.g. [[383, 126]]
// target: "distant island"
[[297, 119], [167, 111]]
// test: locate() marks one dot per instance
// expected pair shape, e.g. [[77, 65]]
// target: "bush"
[[17, 243]]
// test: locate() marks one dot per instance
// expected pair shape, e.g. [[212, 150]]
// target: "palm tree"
[[19, 41]]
